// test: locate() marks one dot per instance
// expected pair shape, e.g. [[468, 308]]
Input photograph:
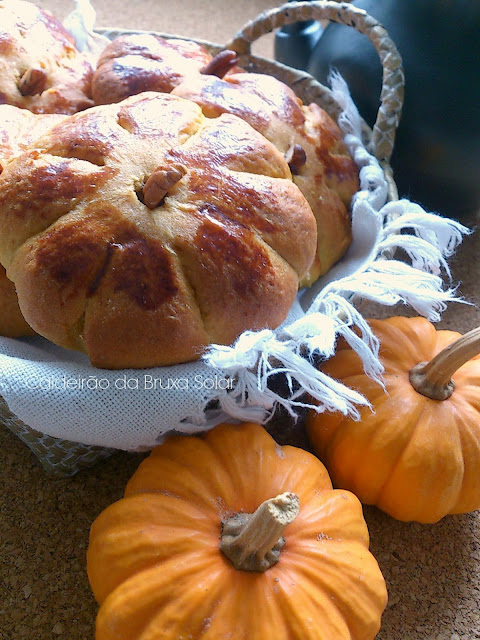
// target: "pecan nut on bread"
[[40, 67], [18, 129], [133, 63], [142, 231], [308, 137]]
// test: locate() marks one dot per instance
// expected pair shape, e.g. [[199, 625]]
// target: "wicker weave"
[[66, 458], [391, 98]]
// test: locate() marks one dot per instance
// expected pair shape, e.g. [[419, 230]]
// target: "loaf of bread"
[[308, 138], [142, 231], [18, 129], [40, 68], [133, 63]]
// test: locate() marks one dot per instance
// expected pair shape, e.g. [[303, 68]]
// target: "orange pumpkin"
[[161, 560], [416, 453]]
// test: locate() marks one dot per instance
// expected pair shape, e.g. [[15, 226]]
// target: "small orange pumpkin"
[[417, 454], [195, 549]]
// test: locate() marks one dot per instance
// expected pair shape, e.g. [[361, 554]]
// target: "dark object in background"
[[436, 160], [294, 43]]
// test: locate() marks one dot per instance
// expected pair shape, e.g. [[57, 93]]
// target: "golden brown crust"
[[18, 129], [40, 68], [134, 63], [326, 174], [98, 270]]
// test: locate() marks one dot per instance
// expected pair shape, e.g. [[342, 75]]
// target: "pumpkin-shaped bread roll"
[[141, 232], [40, 67], [133, 63], [307, 136], [18, 129]]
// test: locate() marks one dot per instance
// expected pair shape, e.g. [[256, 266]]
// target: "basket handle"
[[391, 97]]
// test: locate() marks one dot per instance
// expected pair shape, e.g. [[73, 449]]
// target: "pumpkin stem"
[[253, 541], [433, 379]]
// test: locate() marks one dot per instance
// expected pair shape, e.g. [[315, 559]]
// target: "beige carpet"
[[432, 572]]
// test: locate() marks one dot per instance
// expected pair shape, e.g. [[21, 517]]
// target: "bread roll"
[[133, 63], [40, 68], [140, 232], [308, 137]]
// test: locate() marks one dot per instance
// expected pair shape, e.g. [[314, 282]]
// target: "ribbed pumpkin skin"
[[155, 567], [414, 457]]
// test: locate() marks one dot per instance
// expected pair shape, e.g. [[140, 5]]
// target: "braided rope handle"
[[391, 97]]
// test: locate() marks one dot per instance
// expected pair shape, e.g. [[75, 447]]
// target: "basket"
[[61, 456]]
